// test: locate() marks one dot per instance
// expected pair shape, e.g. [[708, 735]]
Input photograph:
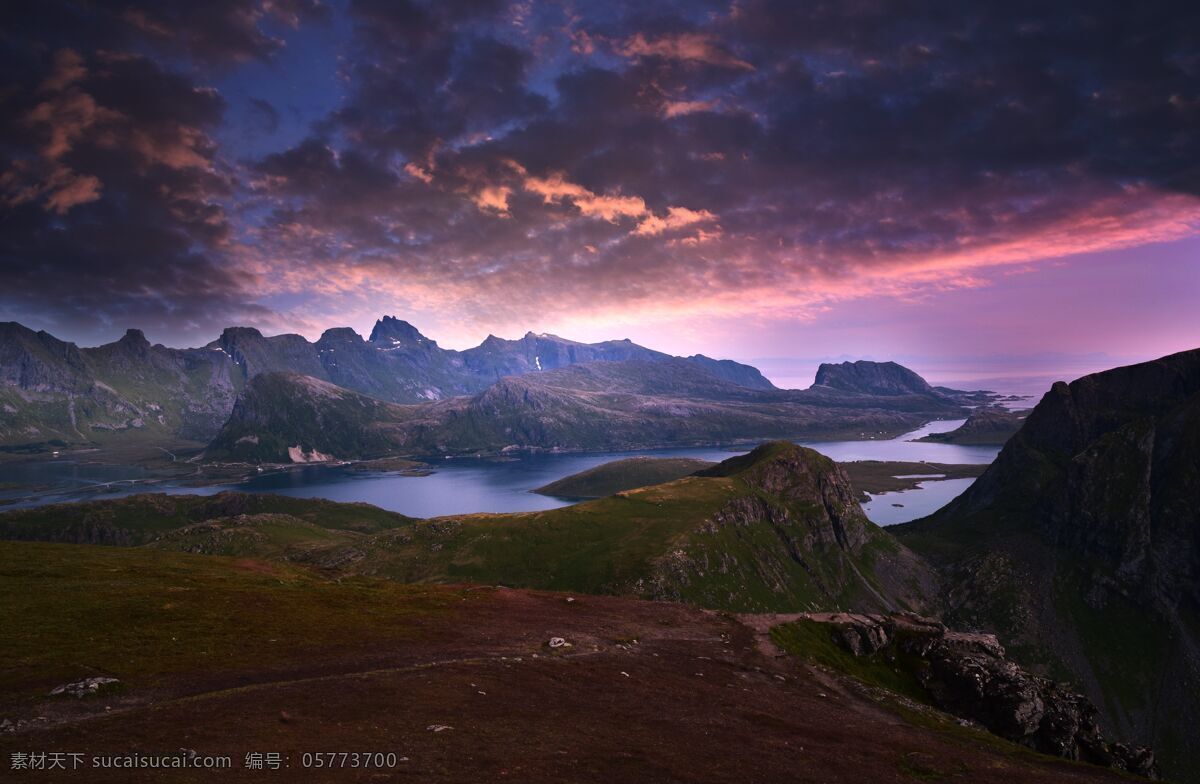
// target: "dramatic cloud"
[[115, 198], [513, 165]]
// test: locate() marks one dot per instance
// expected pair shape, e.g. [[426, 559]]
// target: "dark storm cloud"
[[511, 160], [114, 192], [215, 31]]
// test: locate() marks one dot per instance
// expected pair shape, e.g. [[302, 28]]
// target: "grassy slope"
[[282, 410], [619, 475], [887, 668], [767, 553], [142, 616], [144, 518]]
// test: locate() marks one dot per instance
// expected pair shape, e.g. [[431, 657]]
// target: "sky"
[[985, 191]]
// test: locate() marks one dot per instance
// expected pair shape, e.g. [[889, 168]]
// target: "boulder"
[[83, 688]]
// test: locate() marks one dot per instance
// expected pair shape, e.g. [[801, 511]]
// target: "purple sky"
[[983, 191]]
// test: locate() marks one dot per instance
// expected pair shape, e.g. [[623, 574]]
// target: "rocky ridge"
[[970, 675]]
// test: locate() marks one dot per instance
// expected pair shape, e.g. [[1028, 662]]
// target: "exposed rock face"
[[390, 330], [52, 391], [799, 475], [970, 676], [1081, 545], [794, 524], [39, 362]]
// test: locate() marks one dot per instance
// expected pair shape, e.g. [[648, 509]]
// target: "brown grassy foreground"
[[229, 656]]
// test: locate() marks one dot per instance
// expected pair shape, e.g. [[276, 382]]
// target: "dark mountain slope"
[[735, 372], [607, 405], [51, 390], [1081, 544]]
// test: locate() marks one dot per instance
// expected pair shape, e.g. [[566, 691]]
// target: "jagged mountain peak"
[[392, 330]]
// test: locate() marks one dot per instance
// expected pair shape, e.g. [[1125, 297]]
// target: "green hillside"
[[618, 475]]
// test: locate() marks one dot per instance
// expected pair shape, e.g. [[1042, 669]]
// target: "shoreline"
[[165, 476]]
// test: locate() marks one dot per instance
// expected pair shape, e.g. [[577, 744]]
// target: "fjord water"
[[465, 485]]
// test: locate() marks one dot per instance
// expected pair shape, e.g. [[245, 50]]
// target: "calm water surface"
[[464, 485]]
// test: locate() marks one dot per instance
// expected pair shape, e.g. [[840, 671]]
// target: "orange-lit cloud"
[[493, 197], [678, 108], [676, 218], [695, 47]]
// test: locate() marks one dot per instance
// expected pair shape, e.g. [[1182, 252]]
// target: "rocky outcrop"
[[970, 675], [84, 688], [791, 531]]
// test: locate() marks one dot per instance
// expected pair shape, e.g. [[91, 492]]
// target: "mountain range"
[[273, 398]]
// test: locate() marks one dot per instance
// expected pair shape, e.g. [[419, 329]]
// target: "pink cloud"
[[676, 218], [696, 47], [494, 198], [554, 187], [711, 274], [678, 108], [70, 189], [424, 175], [68, 69]]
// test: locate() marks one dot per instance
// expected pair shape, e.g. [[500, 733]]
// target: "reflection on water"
[[464, 485], [900, 507]]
